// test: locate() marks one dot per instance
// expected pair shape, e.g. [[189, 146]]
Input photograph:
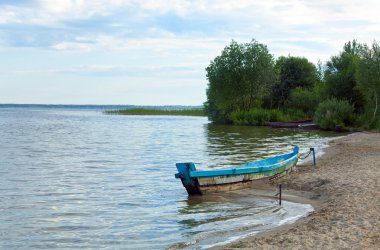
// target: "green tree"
[[292, 72], [238, 80], [303, 99], [368, 76], [340, 76]]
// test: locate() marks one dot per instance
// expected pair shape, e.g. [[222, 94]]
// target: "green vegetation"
[[377, 126], [238, 80], [144, 111], [292, 73], [368, 82], [256, 116], [332, 113], [304, 101], [247, 86]]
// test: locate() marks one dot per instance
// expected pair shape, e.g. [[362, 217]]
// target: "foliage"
[[332, 113], [257, 116], [376, 126], [304, 100], [368, 77], [238, 79], [365, 120], [340, 76], [294, 114], [292, 72], [246, 87], [142, 111]]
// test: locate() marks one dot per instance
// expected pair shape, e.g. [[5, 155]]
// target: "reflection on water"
[[235, 145], [79, 179]]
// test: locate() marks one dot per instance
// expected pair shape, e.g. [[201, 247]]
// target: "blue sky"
[[155, 52]]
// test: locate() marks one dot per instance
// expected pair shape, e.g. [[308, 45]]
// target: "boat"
[[199, 182], [305, 124]]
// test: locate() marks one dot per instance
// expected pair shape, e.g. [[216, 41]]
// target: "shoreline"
[[344, 191], [157, 111]]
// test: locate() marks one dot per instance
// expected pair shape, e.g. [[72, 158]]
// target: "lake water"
[[75, 178]]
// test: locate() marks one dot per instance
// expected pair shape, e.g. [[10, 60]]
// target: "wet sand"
[[345, 191]]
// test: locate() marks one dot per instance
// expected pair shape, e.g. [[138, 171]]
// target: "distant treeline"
[[158, 111], [247, 86], [111, 108]]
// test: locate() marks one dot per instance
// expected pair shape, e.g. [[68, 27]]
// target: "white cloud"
[[72, 46], [180, 7], [161, 45], [172, 39], [132, 24], [179, 71], [8, 16]]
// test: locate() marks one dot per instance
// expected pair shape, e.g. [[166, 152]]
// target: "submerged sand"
[[345, 187]]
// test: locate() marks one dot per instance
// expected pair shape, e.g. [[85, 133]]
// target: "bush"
[[295, 115], [303, 99], [376, 126], [332, 113], [238, 118], [256, 116]]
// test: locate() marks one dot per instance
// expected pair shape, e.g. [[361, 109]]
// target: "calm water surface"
[[79, 179]]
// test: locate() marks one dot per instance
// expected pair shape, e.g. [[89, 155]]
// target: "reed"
[[143, 111]]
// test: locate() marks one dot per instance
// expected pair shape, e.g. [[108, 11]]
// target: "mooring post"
[[279, 192], [312, 150]]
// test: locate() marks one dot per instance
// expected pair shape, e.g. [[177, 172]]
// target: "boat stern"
[[191, 184]]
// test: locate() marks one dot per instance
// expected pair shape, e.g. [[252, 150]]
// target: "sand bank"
[[345, 187]]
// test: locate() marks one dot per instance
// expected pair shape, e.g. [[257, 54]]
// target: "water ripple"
[[81, 179]]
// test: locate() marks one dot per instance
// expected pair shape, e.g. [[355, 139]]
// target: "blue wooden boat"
[[198, 182]]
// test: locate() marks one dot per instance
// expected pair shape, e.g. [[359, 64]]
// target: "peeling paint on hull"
[[230, 183], [211, 181]]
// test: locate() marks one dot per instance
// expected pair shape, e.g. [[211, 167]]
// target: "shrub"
[[376, 126], [238, 118], [295, 115], [332, 113], [303, 99], [366, 119], [256, 116], [276, 115]]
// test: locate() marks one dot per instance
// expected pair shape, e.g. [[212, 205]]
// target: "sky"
[[154, 52]]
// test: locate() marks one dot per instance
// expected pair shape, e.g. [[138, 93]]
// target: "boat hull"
[[211, 181], [229, 183]]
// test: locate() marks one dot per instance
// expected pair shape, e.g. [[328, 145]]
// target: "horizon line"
[[135, 105]]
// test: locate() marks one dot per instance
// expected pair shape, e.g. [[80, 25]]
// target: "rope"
[[304, 157]]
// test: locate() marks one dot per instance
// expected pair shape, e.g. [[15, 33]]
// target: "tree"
[[238, 80], [368, 75], [340, 76], [292, 72], [303, 99]]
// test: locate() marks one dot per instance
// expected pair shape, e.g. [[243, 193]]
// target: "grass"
[[259, 116], [143, 111]]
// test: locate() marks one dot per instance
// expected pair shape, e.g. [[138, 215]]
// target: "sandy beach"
[[345, 191]]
